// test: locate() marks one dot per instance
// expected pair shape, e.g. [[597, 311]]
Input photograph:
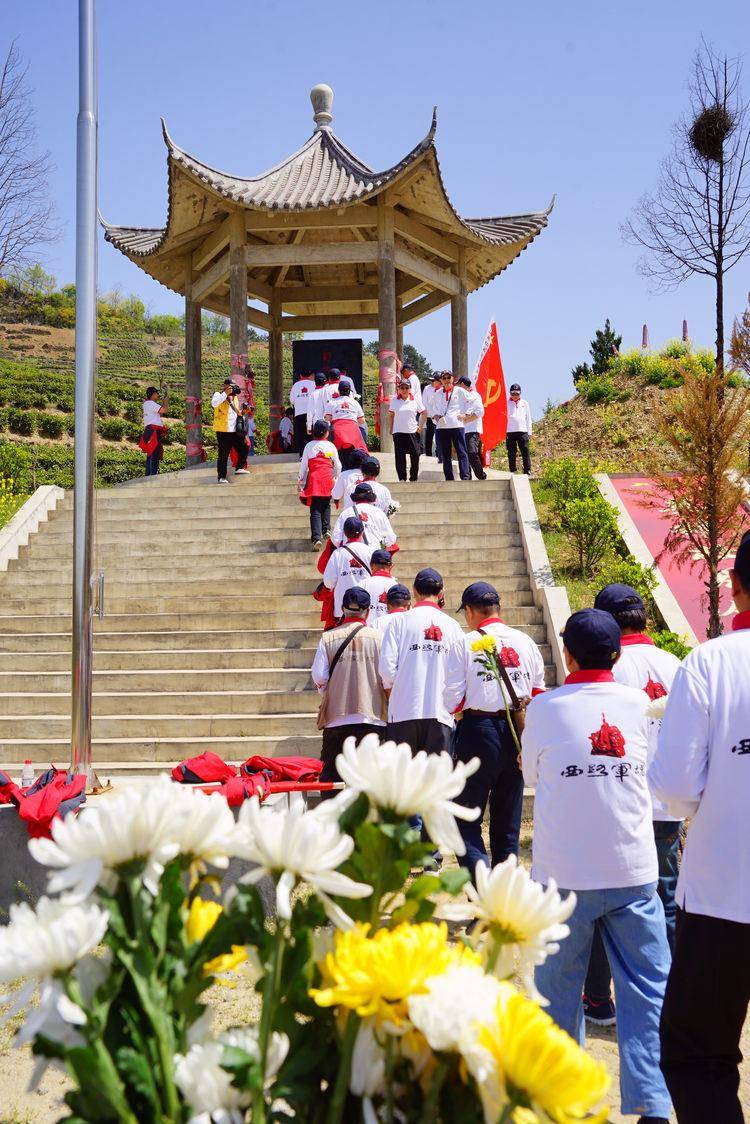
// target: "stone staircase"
[[210, 628]]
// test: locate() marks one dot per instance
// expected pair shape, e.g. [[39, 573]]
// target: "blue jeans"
[[631, 921], [152, 460], [448, 440], [498, 781]]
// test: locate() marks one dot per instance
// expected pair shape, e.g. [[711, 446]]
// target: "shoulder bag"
[[323, 707]]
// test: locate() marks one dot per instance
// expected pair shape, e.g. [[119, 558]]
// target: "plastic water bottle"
[[27, 774]]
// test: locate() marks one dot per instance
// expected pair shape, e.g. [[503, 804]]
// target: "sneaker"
[[652, 1120], [223, 480], [600, 1014], [242, 472], [317, 544], [432, 863]]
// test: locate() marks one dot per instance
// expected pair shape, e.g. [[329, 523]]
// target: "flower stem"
[[432, 1100], [389, 1080], [270, 999], [340, 1089]]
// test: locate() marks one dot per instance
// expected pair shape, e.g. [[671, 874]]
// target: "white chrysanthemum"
[[154, 822], [461, 996], [368, 1062], [420, 784], [207, 1087], [517, 919], [39, 943], [657, 707], [291, 844]]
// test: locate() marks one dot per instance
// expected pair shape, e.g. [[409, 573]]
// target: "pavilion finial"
[[321, 97]]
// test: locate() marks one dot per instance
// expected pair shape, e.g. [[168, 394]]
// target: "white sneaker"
[[223, 480], [242, 472]]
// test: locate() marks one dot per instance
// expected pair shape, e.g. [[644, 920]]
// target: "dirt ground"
[[237, 1006]]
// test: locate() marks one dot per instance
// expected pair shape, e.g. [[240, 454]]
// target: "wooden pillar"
[[238, 297], [399, 330], [194, 453], [387, 327], [275, 363], [459, 323]]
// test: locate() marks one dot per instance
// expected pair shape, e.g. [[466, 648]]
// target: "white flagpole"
[[85, 390]]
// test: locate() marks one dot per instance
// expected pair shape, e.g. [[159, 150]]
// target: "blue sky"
[[575, 99]]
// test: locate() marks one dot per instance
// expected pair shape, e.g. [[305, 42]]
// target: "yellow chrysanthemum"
[[201, 918], [544, 1072], [484, 644], [374, 976]]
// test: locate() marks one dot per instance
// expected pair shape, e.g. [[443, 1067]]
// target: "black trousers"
[[474, 450], [333, 743], [421, 733], [702, 1018], [301, 436], [320, 517], [514, 442], [225, 442], [406, 444], [429, 435], [449, 439]]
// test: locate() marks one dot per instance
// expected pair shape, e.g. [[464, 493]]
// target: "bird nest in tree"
[[709, 131]]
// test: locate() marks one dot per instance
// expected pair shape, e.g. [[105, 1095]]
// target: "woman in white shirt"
[[318, 471], [152, 441], [407, 418]]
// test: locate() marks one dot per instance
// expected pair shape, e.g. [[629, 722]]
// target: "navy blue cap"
[[742, 561], [363, 492], [320, 379], [371, 466], [479, 594], [515, 386], [593, 638], [357, 458], [334, 373], [464, 381], [353, 527], [356, 598], [398, 592], [436, 376], [381, 558], [428, 581], [618, 598]]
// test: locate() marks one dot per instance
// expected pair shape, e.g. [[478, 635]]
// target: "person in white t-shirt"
[[650, 669], [473, 427], [286, 430], [378, 529], [349, 564], [378, 585], [407, 417], [300, 397], [347, 418], [701, 770], [585, 752], [428, 401], [482, 729], [349, 478], [398, 600], [449, 406], [519, 429], [154, 429], [411, 376], [316, 410], [370, 474]]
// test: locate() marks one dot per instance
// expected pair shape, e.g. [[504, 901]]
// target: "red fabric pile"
[[54, 793]]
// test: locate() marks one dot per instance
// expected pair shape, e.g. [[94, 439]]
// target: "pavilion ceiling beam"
[[422, 307], [329, 253], [302, 308], [188, 236], [217, 241], [279, 274], [322, 294], [208, 281], [428, 239], [254, 315], [259, 319], [258, 288], [329, 323], [426, 271], [358, 215]]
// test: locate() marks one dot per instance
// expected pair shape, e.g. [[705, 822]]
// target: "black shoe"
[[653, 1120], [600, 1014]]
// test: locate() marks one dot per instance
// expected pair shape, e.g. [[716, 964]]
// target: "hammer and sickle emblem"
[[493, 391]]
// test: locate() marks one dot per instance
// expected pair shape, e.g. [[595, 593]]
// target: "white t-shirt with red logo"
[[345, 408], [345, 569], [377, 586], [585, 751], [643, 665], [406, 413], [300, 396], [413, 659], [378, 529], [468, 683]]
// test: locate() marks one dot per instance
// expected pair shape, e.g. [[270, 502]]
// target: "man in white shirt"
[[650, 669], [428, 401], [300, 396], [333, 377], [407, 416], [378, 585], [347, 417], [412, 378], [370, 474], [473, 427], [348, 565], [585, 751], [316, 410], [450, 405], [398, 600], [519, 429], [349, 478], [702, 770], [378, 529], [482, 730]]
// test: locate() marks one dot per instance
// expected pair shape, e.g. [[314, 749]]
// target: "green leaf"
[[452, 881], [405, 912], [354, 815], [423, 885], [136, 1071]]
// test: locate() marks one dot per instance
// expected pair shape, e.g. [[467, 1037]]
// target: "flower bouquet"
[[393, 508], [490, 659], [367, 1010]]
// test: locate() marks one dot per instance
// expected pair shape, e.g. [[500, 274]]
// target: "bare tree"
[[26, 213], [698, 219]]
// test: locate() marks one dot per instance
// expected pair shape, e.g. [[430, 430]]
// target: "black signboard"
[[321, 355]]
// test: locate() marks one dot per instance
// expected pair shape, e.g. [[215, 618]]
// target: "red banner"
[[489, 380]]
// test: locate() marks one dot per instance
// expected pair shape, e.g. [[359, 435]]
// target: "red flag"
[[490, 382]]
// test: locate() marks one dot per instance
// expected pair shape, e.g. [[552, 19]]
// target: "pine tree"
[[604, 345]]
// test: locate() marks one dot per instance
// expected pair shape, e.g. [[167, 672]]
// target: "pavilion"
[[326, 243]]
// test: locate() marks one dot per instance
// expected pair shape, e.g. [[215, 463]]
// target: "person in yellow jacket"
[[227, 411]]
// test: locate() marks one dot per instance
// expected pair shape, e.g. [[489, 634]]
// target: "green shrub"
[[50, 425], [3, 418], [569, 479], [107, 405], [580, 373], [631, 363], [177, 432], [674, 349], [20, 421], [71, 425], [736, 379], [113, 429], [671, 642], [20, 397], [133, 412], [15, 465], [133, 431], [626, 571], [597, 388], [66, 403], [591, 526]]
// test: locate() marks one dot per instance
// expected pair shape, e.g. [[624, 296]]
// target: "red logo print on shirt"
[[654, 690], [607, 741], [509, 657], [383, 599], [433, 633]]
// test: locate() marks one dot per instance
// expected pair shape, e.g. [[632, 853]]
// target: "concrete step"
[[241, 488], [129, 727], [162, 641], [235, 749], [229, 700], [184, 657]]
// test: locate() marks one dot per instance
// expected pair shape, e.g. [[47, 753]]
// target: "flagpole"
[[85, 390]]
